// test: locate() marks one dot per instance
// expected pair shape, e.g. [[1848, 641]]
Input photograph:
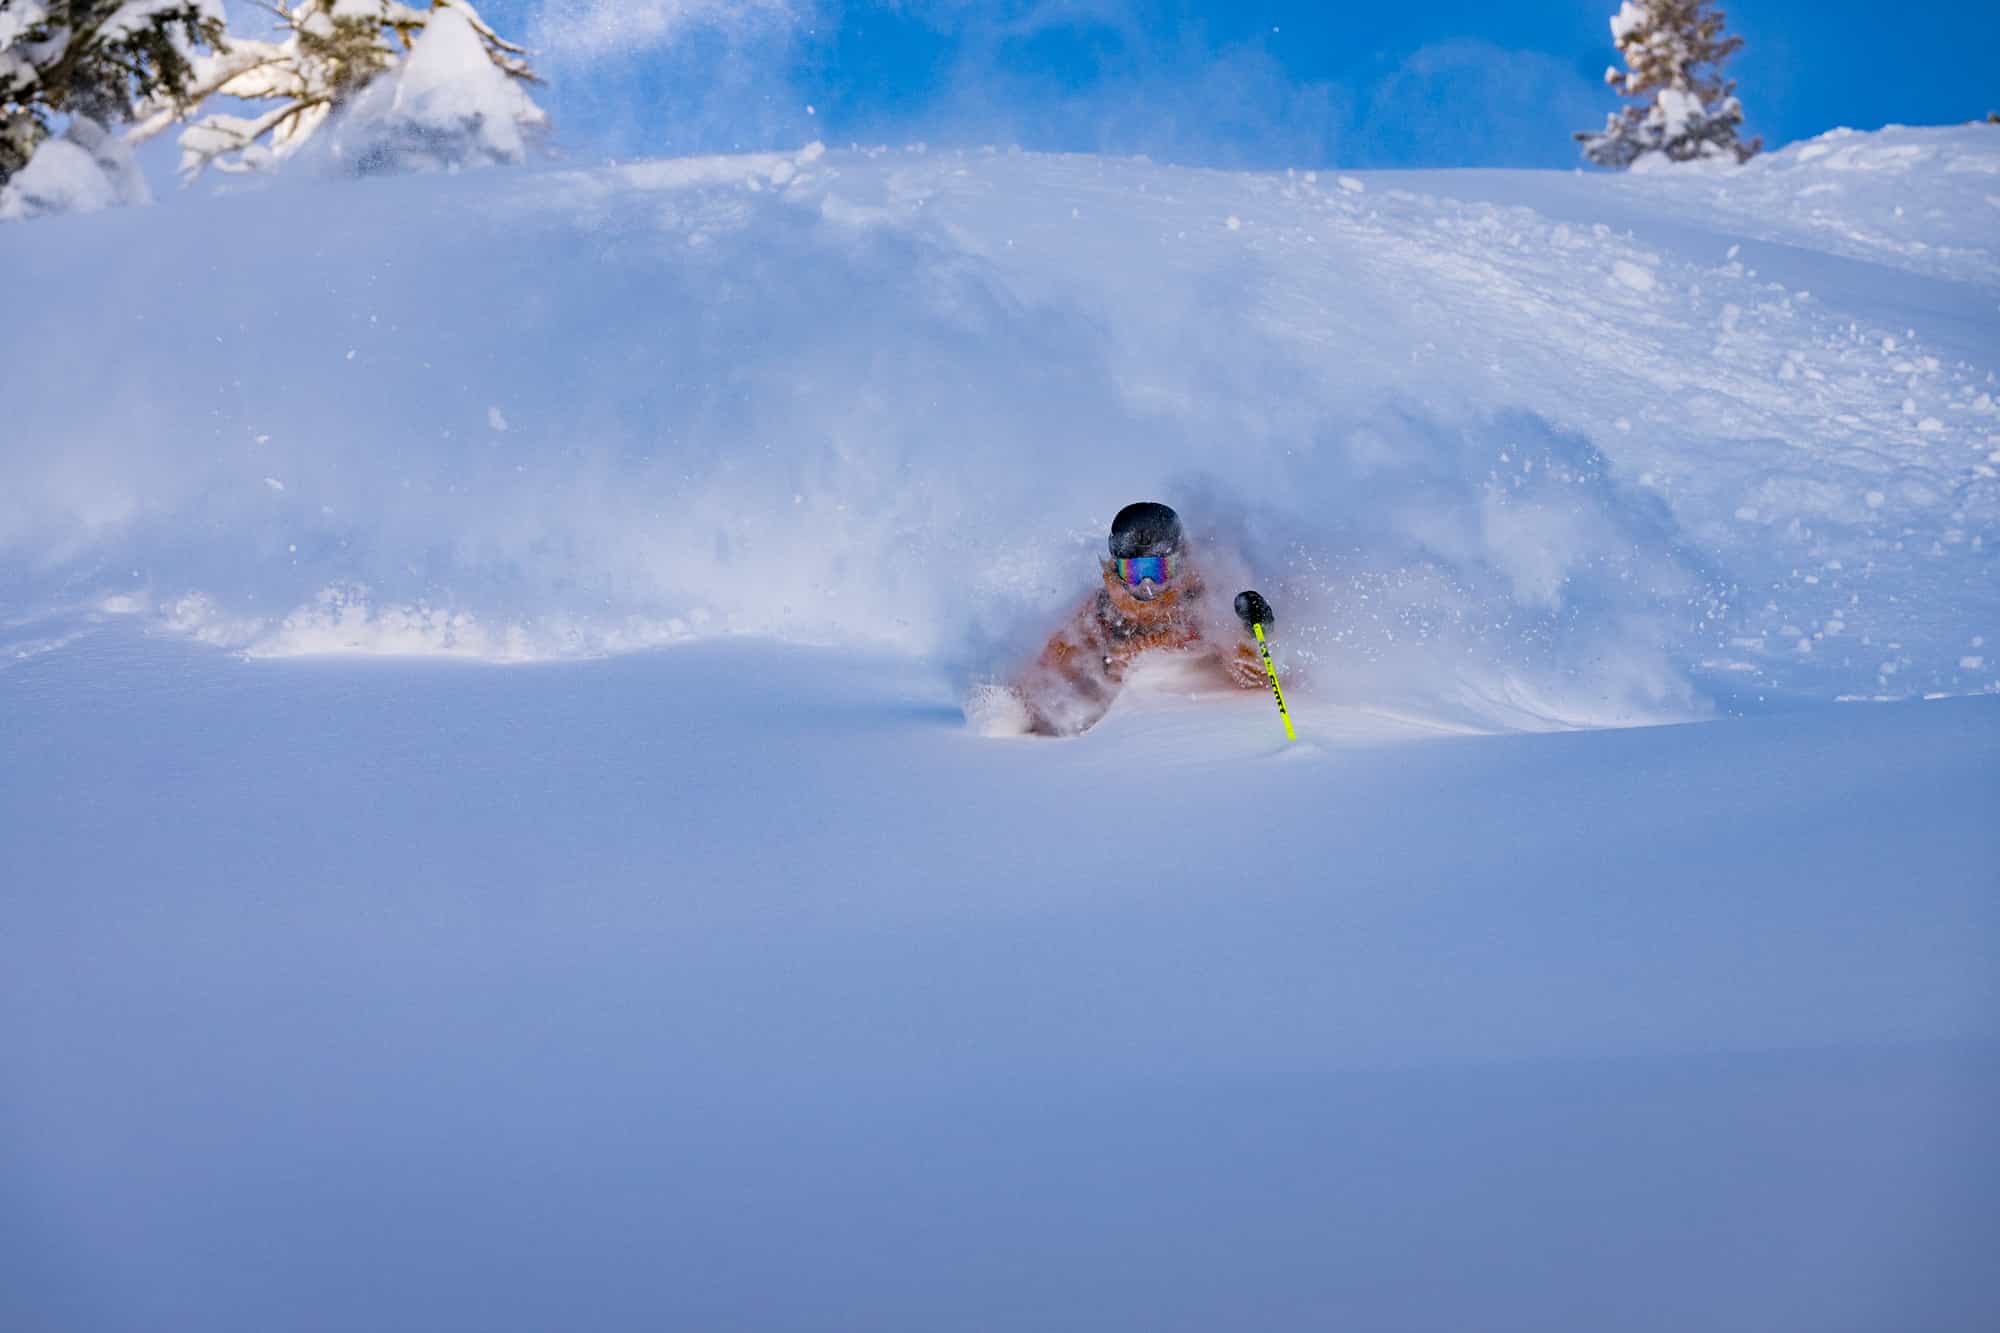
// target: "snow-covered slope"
[[747, 989], [726, 979], [1530, 445]]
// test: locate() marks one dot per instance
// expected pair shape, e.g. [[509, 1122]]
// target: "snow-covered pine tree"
[[446, 105], [1674, 52], [84, 66], [331, 55]]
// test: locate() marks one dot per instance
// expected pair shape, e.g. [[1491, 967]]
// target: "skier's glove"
[[1245, 667]]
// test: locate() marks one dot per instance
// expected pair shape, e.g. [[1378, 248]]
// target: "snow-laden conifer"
[[446, 105], [70, 70], [1687, 111], [333, 55], [85, 168]]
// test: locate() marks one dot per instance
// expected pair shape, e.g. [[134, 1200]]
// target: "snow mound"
[[1495, 463]]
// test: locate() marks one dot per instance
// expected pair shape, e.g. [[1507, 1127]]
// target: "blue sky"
[[1443, 82]]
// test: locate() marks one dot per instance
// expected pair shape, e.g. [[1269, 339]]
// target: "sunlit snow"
[[498, 830]]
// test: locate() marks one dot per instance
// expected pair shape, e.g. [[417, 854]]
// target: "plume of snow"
[[581, 30]]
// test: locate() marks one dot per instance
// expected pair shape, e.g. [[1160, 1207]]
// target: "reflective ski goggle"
[[1135, 571]]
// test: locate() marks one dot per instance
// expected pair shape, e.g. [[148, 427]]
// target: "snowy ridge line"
[[1531, 458], [1849, 193]]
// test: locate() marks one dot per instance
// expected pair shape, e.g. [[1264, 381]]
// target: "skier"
[[1152, 601]]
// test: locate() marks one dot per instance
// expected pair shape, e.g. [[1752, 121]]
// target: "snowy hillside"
[[702, 968], [1588, 448]]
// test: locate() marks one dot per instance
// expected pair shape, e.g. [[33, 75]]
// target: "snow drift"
[[1578, 459]]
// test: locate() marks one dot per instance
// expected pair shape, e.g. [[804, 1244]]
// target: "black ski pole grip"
[[1252, 609]]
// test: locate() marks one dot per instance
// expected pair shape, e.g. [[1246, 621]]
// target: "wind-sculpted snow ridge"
[[1527, 462], [1925, 200]]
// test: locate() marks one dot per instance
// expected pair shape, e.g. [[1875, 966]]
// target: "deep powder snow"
[[1510, 448]]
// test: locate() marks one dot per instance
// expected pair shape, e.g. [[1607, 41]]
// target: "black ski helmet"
[[1145, 528]]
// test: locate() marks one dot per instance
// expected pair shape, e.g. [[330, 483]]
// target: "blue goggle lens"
[[1158, 568]]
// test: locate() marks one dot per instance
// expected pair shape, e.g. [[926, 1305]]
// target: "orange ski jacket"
[[1078, 674]]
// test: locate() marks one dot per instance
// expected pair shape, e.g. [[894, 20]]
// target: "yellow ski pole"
[[1256, 613]]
